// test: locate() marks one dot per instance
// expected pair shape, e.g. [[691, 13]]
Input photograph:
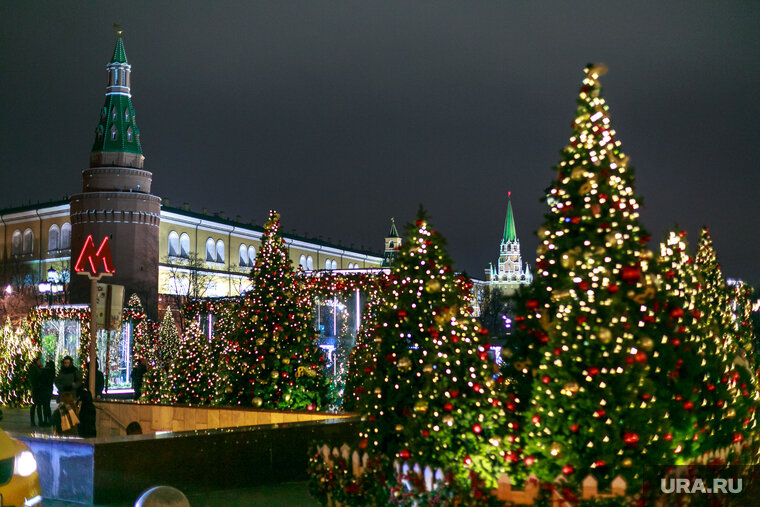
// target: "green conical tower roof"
[[510, 233], [393, 233], [117, 130], [119, 55]]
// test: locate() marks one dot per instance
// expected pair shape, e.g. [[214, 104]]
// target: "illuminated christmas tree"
[[592, 316], [168, 337], [436, 399], [270, 357], [145, 349], [192, 376], [722, 332], [17, 351], [362, 361]]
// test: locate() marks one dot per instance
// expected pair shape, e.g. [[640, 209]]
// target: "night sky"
[[343, 114]]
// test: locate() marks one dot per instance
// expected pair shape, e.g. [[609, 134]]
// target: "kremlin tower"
[[116, 199]]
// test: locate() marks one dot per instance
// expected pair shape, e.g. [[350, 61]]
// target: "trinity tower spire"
[[509, 273]]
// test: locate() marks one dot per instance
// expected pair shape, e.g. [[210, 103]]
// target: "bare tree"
[[189, 279]]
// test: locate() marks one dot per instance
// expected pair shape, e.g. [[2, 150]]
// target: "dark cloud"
[[343, 114]]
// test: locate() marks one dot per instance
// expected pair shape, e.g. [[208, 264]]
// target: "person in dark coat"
[[69, 377], [35, 381], [46, 390], [100, 380], [87, 428], [138, 372]]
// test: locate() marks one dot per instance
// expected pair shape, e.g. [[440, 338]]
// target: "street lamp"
[[52, 286]]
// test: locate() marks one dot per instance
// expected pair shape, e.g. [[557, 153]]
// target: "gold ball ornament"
[[577, 173], [404, 364], [228, 389], [647, 343], [286, 397], [275, 374], [448, 420], [421, 406], [260, 341], [567, 260], [571, 388], [605, 335], [427, 368], [627, 462], [433, 285], [730, 413], [555, 449], [285, 360], [611, 239], [378, 390], [399, 428], [257, 401]]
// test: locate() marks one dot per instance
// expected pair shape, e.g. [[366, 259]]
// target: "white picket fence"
[[504, 490]]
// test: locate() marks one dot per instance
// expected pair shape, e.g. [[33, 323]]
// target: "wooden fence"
[[504, 490]]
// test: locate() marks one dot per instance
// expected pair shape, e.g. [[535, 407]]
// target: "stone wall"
[[113, 417]]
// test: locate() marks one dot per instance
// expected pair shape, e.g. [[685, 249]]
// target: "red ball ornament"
[[476, 428], [630, 274], [612, 288], [448, 406], [574, 427], [363, 443], [641, 357], [529, 460], [467, 460], [531, 304], [630, 437], [688, 405], [676, 313], [425, 433], [546, 379], [567, 469], [404, 454], [668, 436], [536, 419]]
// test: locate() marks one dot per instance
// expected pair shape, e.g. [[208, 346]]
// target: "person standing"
[[138, 372], [35, 381], [87, 426], [100, 380], [46, 390], [69, 377]]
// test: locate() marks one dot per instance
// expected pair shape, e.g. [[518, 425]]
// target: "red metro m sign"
[[90, 260]]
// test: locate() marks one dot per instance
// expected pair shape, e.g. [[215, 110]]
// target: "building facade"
[[157, 249]]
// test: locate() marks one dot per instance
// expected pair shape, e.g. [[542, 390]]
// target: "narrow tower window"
[[113, 133], [126, 115], [129, 135]]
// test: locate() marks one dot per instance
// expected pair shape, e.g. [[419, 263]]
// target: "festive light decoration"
[[18, 349], [430, 393], [269, 350], [590, 316]]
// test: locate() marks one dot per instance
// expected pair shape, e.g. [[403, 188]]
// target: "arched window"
[[251, 255], [28, 241], [210, 250], [334, 264], [184, 246], [113, 132], [328, 264], [66, 236], [173, 244], [243, 256], [220, 251], [309, 263], [390, 245], [211, 290], [16, 244], [129, 134], [53, 236], [126, 115], [301, 261], [113, 112]]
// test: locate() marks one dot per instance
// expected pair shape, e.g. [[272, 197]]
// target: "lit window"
[[16, 243], [113, 114], [113, 133], [211, 289], [301, 261], [66, 236], [53, 236], [28, 241], [173, 244], [210, 250], [220, 251], [126, 115], [251, 255], [184, 246], [334, 264], [243, 255], [327, 264], [129, 135], [309, 263]]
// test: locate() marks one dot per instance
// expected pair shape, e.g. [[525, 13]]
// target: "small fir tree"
[[192, 376], [269, 354]]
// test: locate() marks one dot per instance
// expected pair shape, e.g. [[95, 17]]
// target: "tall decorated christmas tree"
[[362, 360], [592, 317], [17, 351], [270, 357], [168, 337], [434, 396], [715, 300]]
